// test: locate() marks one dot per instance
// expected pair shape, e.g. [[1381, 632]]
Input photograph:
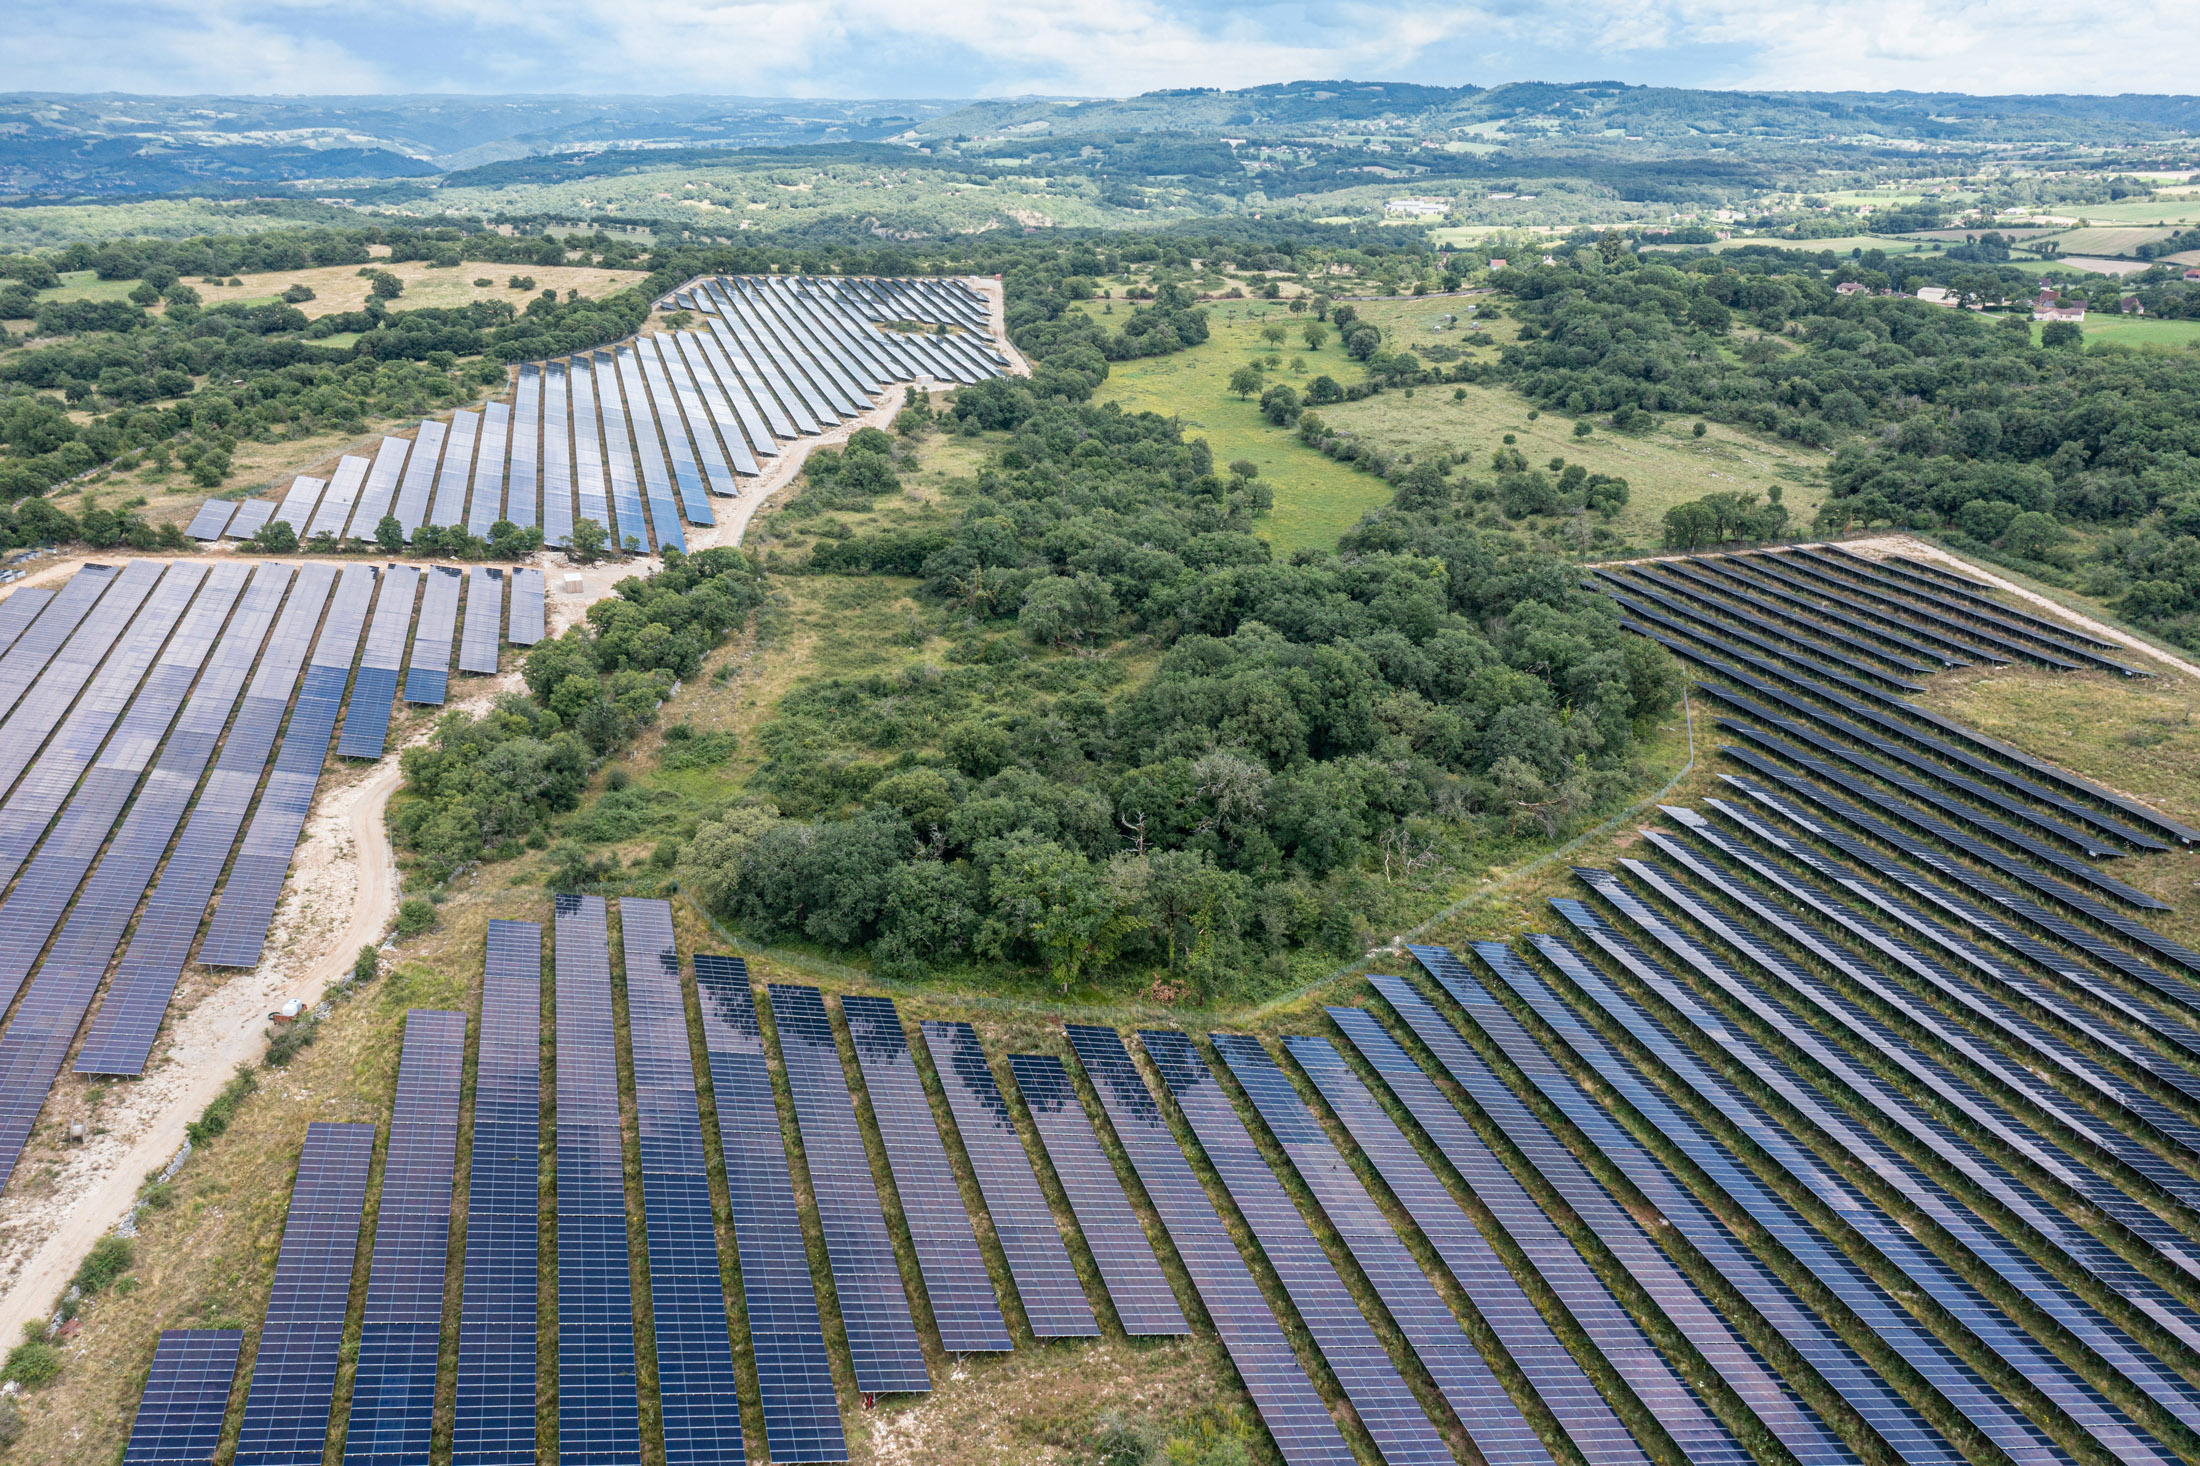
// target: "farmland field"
[[342, 288]]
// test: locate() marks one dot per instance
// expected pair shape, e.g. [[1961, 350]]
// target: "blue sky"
[[967, 48]]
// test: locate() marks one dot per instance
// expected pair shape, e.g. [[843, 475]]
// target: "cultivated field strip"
[[641, 435]]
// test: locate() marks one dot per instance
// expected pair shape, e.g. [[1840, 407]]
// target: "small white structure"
[[1418, 208]]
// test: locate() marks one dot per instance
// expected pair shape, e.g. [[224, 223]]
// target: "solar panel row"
[[599, 1421], [955, 1280], [47, 700], [1786, 1416], [2062, 1386], [212, 519], [57, 621], [593, 501], [449, 505], [523, 497], [18, 611], [477, 644], [649, 450], [527, 611], [1985, 1407], [252, 517], [186, 1398], [1504, 1307], [793, 1372], [380, 489], [557, 457], [239, 929], [874, 1307], [1500, 1432], [630, 529], [128, 1021], [293, 1383], [1296, 1418], [36, 1043], [374, 689], [418, 482], [2077, 1247], [485, 497], [393, 1387], [1864, 1299], [336, 504], [1046, 1280], [1144, 1302], [493, 1423], [428, 670], [696, 1385], [1701, 1436]]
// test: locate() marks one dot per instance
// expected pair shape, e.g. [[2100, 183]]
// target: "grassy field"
[[342, 288], [1317, 499], [2140, 331], [2108, 241]]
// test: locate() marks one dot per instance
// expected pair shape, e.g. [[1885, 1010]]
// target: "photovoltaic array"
[[793, 1371], [1046, 1280], [428, 671], [186, 1398], [955, 1280], [1144, 1302], [393, 1387], [641, 435], [477, 647], [695, 1379], [598, 1414], [374, 688], [493, 1423], [874, 1306], [286, 1412], [1289, 1406]]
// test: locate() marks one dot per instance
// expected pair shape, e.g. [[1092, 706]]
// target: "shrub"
[[414, 916], [109, 1259], [33, 1362], [223, 1107]]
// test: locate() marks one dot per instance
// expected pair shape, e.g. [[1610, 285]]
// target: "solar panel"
[[649, 453], [1940, 573], [2169, 1028], [557, 458], [477, 644], [1046, 1280], [955, 1280], [46, 1024], [1557, 1379], [2063, 1387], [1500, 1432], [1787, 1417], [527, 612], [129, 1020], [239, 929], [1676, 612], [739, 424], [793, 1372], [56, 623], [882, 1338], [449, 506], [522, 498], [58, 741], [18, 611], [1296, 1418], [2078, 1247], [2006, 1025], [286, 1412], [133, 601], [380, 490], [1683, 586], [213, 517], [393, 1389], [493, 1423], [1144, 1302], [588, 465], [1699, 1433], [1961, 591], [343, 491], [1715, 574], [668, 370], [296, 509], [367, 711], [414, 488], [485, 498], [1888, 1413], [632, 531], [252, 516], [428, 671], [1922, 629], [700, 1396], [186, 1398], [1980, 1403], [797, 413], [599, 1421]]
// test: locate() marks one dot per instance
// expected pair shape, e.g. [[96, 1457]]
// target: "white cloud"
[[1112, 47]]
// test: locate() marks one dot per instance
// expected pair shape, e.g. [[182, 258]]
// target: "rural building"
[[2131, 306], [1418, 208], [2052, 307], [1852, 287]]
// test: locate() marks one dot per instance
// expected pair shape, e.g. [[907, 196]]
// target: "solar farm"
[[1848, 1113], [640, 436]]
